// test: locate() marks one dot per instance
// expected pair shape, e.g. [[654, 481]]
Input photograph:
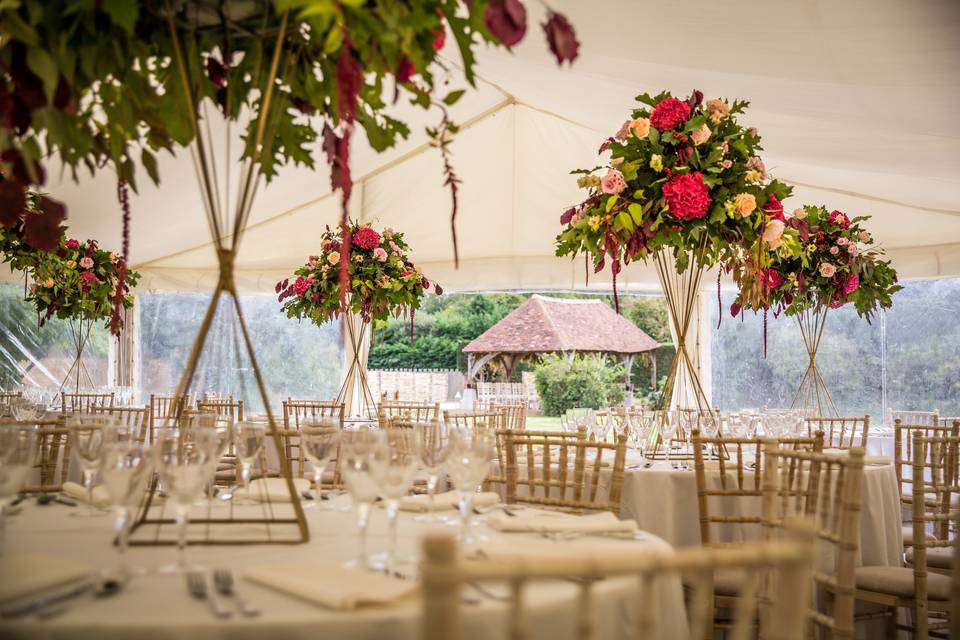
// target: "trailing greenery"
[[582, 381]]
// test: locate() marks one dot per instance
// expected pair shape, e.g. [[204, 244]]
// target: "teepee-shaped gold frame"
[[276, 529]]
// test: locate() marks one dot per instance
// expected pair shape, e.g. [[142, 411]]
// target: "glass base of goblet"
[[435, 518], [89, 513], [176, 568]]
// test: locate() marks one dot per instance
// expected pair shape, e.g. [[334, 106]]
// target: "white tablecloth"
[[664, 501], [158, 606]]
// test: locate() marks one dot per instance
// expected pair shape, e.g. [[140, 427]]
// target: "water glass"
[[183, 463], [669, 423], [88, 434], [125, 468], [17, 453], [356, 457], [319, 440], [471, 454], [432, 445], [249, 435], [394, 465]]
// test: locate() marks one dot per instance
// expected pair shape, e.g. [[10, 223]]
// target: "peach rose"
[[773, 234], [718, 110], [827, 270], [865, 236], [333, 257], [640, 127], [745, 204], [701, 135]]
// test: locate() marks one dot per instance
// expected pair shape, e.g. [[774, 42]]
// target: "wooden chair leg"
[[890, 624]]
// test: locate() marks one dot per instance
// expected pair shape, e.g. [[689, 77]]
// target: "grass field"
[[544, 423]]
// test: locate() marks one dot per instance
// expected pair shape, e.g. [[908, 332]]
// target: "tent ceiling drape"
[[855, 102]]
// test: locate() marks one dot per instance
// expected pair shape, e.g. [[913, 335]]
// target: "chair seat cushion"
[[898, 581], [727, 582], [938, 557], [908, 533]]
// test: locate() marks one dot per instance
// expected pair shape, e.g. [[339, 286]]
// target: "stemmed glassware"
[[17, 453], [125, 469], [708, 422], [471, 454], [432, 443], [393, 465], [211, 432], [356, 456], [248, 436], [184, 464], [320, 439], [669, 422], [88, 434]]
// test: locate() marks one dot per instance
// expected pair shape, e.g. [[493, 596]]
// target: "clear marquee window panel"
[[41, 356], [297, 359], [907, 358]]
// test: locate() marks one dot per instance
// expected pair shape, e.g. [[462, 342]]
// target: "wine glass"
[[393, 466], [319, 440], [669, 422], [17, 452], [183, 462], [471, 454], [211, 432], [88, 434], [25, 409], [708, 423], [432, 443], [599, 426], [356, 452], [248, 436], [125, 468]]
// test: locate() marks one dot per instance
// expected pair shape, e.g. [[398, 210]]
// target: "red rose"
[[852, 283], [366, 238], [688, 196], [669, 113], [840, 219], [774, 208]]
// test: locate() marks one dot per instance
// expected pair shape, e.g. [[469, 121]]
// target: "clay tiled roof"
[[542, 325]]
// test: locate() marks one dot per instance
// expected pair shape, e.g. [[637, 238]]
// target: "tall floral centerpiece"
[[819, 260], [383, 283], [79, 282], [685, 187]]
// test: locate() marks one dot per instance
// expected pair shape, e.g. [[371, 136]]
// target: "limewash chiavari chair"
[[53, 456], [408, 410], [132, 419], [83, 402], [786, 564], [841, 433], [161, 407], [514, 415], [7, 397], [738, 477], [828, 489], [903, 462], [929, 418], [300, 413], [917, 588], [540, 462], [222, 407]]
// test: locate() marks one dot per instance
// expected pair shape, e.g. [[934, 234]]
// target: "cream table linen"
[[158, 606]]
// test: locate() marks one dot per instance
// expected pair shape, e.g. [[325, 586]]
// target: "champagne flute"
[[319, 440], [249, 435], [470, 458], [88, 434], [393, 466], [356, 451], [125, 468], [432, 442], [183, 465], [17, 453]]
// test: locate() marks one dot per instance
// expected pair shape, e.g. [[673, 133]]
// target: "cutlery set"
[[221, 594]]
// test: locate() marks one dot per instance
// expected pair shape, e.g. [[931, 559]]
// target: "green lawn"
[[544, 423]]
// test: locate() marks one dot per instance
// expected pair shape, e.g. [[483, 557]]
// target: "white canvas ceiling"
[[855, 101]]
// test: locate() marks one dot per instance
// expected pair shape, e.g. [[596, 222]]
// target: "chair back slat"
[[82, 402], [408, 410], [841, 432]]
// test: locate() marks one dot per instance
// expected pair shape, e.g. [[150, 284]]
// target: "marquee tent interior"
[[865, 124]]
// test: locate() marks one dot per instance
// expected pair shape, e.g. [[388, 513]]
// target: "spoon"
[[227, 494]]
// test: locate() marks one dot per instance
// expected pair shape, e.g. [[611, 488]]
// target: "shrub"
[[583, 381]]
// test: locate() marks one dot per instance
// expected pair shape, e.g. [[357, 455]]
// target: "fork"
[[197, 586], [223, 581]]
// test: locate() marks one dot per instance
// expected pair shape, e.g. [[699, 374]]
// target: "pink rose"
[[852, 249], [669, 114], [333, 257], [834, 250], [380, 254], [86, 262], [827, 270], [726, 164], [852, 283], [687, 195], [613, 182], [840, 219], [312, 261], [701, 135], [773, 234], [865, 237], [756, 163], [842, 241]]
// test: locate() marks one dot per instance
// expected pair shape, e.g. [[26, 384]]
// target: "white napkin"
[[101, 497], [548, 521], [273, 488], [30, 573], [446, 501], [331, 585]]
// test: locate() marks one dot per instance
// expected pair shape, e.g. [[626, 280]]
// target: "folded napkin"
[[446, 501], [554, 522], [274, 489], [331, 585], [101, 497], [30, 573]]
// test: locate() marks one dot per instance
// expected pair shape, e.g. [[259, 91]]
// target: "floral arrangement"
[[81, 281], [820, 259], [683, 174], [383, 281]]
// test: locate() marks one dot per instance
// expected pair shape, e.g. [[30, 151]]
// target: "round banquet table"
[[663, 501], [158, 605]]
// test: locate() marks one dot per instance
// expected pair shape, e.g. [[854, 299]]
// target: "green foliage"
[[583, 381]]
